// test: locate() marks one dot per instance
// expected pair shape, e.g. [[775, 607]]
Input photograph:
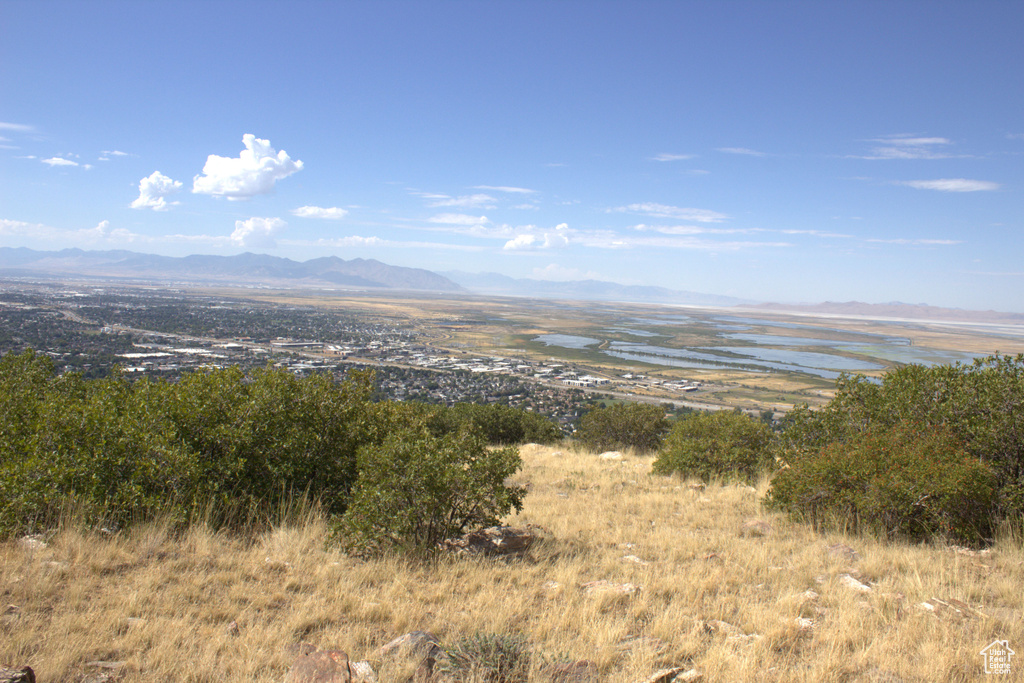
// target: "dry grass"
[[163, 604]]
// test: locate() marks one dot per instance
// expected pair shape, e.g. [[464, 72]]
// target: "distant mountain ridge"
[[242, 268], [588, 290]]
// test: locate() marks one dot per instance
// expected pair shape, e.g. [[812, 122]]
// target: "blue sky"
[[786, 151]]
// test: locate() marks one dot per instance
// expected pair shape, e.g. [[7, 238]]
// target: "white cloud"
[[915, 241], [530, 207], [153, 190], [114, 153], [520, 243], [483, 201], [103, 231], [908, 147], [42, 232], [679, 213], [253, 172], [672, 157], [257, 232], [741, 150], [505, 188], [1015, 136], [952, 185], [458, 219], [554, 239], [554, 271], [817, 233], [692, 230], [16, 127], [17, 228], [359, 241], [332, 213], [57, 161]]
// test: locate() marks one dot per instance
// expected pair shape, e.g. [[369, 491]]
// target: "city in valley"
[[553, 357]]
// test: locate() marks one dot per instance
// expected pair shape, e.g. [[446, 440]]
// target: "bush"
[[625, 425], [498, 424], [981, 404], [911, 481], [503, 425], [218, 443], [416, 489], [489, 658], [720, 444]]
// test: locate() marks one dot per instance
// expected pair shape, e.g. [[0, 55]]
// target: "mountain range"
[[245, 268], [369, 274]]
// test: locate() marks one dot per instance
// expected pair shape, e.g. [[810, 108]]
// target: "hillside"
[[718, 585]]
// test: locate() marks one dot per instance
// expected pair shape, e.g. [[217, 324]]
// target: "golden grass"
[[163, 603]]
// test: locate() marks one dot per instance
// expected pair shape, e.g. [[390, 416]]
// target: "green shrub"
[[911, 481], [489, 658], [625, 425], [416, 489], [981, 403], [221, 443], [720, 444], [498, 424]]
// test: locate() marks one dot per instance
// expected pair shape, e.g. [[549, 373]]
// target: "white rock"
[[854, 584]]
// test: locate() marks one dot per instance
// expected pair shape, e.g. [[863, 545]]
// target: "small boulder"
[[854, 584], [20, 675], [362, 672], [843, 552], [323, 666], [676, 674], [612, 455], [755, 528]]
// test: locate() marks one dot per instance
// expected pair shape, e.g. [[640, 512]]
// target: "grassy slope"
[[74, 597]]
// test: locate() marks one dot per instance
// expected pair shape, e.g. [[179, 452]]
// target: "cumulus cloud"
[[741, 150], [257, 232], [114, 153], [671, 157], [675, 212], [253, 172], [58, 161], [952, 185], [332, 213], [554, 239], [153, 191], [103, 231]]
